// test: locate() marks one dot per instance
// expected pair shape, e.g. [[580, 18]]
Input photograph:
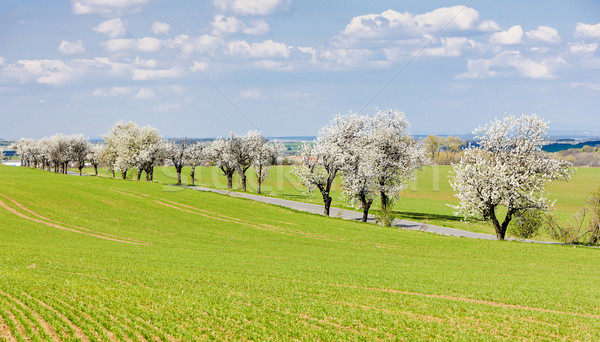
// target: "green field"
[[425, 200], [100, 259]]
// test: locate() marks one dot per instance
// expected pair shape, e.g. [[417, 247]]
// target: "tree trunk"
[[124, 174], [230, 181], [259, 178], [178, 168], [192, 175], [243, 176], [96, 169], [384, 201], [366, 205], [327, 200], [113, 172], [500, 228], [80, 168], [139, 175]]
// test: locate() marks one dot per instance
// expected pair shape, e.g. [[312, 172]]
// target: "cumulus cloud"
[[581, 48], [512, 36], [252, 7], [46, 71], [488, 26], [266, 49], [393, 25], [160, 28], [507, 60], [146, 44], [544, 34], [145, 63], [153, 74], [202, 44], [69, 48], [587, 31], [113, 27], [229, 25], [105, 7], [450, 47]]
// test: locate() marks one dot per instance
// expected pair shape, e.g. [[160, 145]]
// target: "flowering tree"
[[121, 146], [178, 154], [241, 150], [264, 154], [219, 152], [78, 150], [94, 156], [396, 156], [508, 169], [195, 156]]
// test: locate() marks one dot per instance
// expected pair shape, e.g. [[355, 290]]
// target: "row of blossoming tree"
[[128, 147], [376, 156]]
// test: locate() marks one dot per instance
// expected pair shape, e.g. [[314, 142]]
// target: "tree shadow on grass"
[[415, 216]]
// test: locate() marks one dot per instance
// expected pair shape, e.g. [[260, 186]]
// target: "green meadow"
[[425, 200], [92, 258]]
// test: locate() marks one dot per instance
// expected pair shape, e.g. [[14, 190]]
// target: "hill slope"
[[103, 259]]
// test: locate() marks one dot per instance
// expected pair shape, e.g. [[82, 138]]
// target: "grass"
[[425, 200], [206, 266]]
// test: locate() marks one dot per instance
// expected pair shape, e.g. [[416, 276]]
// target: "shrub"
[[570, 233], [527, 224], [593, 207]]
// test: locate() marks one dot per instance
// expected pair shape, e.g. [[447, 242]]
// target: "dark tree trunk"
[[178, 168], [113, 172], [384, 201], [501, 228], [327, 201], [80, 168], [243, 177], [192, 175], [366, 205], [96, 169], [230, 181], [124, 174]]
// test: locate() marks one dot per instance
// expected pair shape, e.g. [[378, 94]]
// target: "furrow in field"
[[5, 331], [18, 328], [78, 332], [330, 323], [47, 327], [120, 191], [25, 325], [148, 326], [92, 324], [54, 225]]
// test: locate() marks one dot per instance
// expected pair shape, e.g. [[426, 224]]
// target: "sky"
[[285, 67]]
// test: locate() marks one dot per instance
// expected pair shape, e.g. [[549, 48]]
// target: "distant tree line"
[[130, 147], [443, 150]]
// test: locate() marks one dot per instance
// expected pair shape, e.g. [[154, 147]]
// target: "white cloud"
[[202, 44], [395, 25], [252, 7], [507, 60], [513, 35], [69, 48], [45, 71], [114, 91], [581, 48], [160, 28], [451, 47], [2, 61], [144, 93], [199, 66], [105, 7], [112, 27], [145, 63], [146, 44], [489, 26], [251, 94], [229, 25], [585, 85], [587, 31], [544, 34], [266, 49], [153, 74]]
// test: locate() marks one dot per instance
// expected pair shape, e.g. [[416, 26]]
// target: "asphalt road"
[[353, 215]]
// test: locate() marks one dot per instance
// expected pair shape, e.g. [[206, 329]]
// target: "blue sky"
[[207, 68]]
